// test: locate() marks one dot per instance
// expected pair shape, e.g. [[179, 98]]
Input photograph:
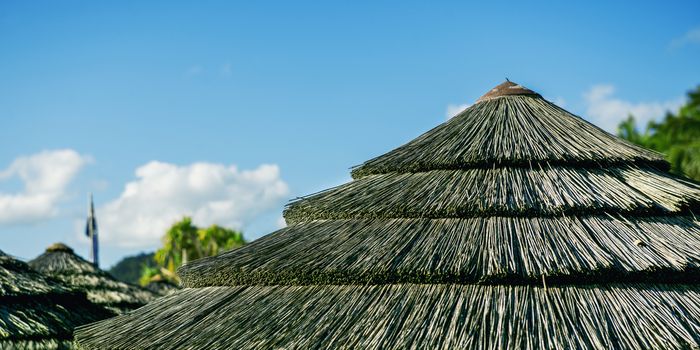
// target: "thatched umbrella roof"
[[38, 312], [59, 261], [513, 225]]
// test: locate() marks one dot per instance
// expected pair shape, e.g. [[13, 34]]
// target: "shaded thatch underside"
[[482, 250], [502, 191], [101, 288], [513, 130], [38, 312], [634, 316]]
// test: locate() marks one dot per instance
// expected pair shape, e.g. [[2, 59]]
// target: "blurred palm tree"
[[185, 242], [216, 239]]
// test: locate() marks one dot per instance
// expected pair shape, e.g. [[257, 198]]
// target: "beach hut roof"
[[515, 224], [59, 261], [38, 312]]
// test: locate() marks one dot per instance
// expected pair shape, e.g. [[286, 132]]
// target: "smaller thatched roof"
[[39, 312], [61, 262]]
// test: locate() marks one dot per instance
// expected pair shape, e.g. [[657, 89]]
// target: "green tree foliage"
[[180, 244], [130, 268], [215, 239], [185, 242], [147, 274], [677, 136]]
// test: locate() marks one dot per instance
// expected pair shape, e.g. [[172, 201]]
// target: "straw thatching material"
[[613, 316], [514, 225], [37, 312], [481, 250], [510, 131], [501, 191], [60, 262]]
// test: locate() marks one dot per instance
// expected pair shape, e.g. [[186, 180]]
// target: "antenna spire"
[[91, 232]]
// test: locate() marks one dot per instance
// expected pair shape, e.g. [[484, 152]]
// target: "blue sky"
[[225, 110]]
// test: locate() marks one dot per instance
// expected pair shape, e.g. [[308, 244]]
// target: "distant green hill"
[[129, 269]]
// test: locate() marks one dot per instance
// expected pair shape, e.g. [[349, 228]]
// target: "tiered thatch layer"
[[59, 261], [514, 225], [37, 312]]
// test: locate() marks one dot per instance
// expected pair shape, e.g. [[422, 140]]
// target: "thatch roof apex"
[[507, 88], [59, 247], [510, 126]]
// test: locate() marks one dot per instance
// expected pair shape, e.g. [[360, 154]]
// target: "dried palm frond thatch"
[[514, 225], [406, 316], [59, 261], [512, 130], [38, 312]]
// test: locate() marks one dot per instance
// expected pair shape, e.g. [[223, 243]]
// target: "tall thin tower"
[[91, 231]]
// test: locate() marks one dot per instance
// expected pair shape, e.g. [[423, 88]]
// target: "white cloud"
[[45, 177], [690, 37], [210, 193], [606, 111], [453, 110]]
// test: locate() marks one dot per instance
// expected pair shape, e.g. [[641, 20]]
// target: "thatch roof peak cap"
[[59, 247], [505, 89]]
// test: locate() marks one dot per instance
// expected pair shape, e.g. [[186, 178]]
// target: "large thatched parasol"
[[59, 261], [514, 225], [38, 312]]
